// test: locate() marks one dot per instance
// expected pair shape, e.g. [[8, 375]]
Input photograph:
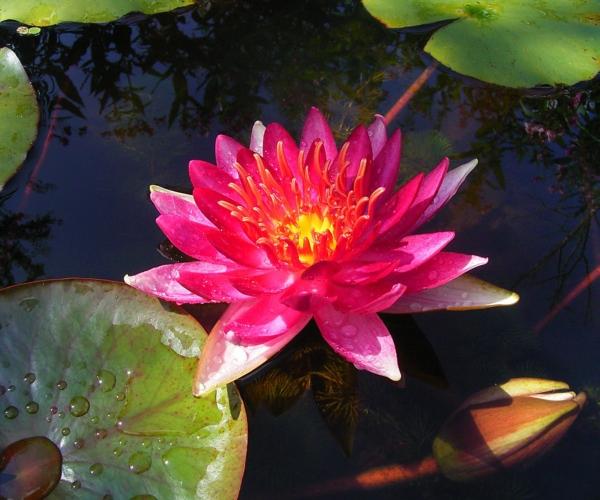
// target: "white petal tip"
[[128, 279]]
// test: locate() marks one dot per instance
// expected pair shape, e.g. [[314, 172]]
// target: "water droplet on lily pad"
[[120, 396], [139, 462], [106, 380], [96, 469], [61, 385], [29, 378], [79, 443], [76, 485], [65, 431], [11, 412], [79, 406], [33, 466], [11, 388], [32, 407]]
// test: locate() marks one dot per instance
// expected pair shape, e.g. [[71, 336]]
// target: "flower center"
[[305, 214]]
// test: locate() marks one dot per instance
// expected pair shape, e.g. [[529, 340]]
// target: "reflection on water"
[[128, 104]]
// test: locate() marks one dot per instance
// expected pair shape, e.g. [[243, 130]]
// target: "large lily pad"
[[105, 373], [49, 12], [516, 43], [19, 114]]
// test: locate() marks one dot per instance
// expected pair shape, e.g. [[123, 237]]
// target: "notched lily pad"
[[96, 394], [19, 114], [49, 12], [516, 43]]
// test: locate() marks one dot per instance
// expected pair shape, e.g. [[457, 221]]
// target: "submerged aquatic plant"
[[287, 233]]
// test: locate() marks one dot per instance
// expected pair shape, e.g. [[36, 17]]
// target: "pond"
[[128, 104]]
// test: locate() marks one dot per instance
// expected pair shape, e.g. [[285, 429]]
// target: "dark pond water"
[[128, 104]]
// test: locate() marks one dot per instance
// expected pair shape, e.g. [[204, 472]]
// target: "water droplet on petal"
[[348, 330], [79, 406]]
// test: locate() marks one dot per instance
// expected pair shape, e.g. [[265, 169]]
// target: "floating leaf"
[[49, 12], [516, 43], [104, 373], [19, 114]]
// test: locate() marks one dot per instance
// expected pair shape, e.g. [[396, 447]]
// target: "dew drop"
[[53, 410], [139, 462], [61, 385], [96, 469], [11, 412], [349, 330], [48, 419], [29, 378], [11, 388], [65, 431], [464, 295], [79, 443], [32, 407], [120, 396], [106, 380], [146, 443], [79, 406], [94, 420], [32, 467], [101, 433], [29, 303], [122, 442], [61, 414], [76, 485], [117, 452]]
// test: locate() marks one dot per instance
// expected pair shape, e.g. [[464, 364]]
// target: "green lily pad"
[[104, 373], [20, 114], [49, 12], [516, 43]]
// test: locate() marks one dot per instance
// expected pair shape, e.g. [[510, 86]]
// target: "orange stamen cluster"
[[305, 217]]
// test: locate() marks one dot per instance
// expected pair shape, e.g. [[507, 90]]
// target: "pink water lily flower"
[[286, 232]]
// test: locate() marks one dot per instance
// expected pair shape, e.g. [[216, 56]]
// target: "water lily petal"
[[261, 282], [257, 137], [362, 339], [190, 237], [369, 298], [226, 151], [464, 293], [239, 249], [162, 281], [274, 134], [452, 181], [225, 358], [439, 270], [384, 171], [359, 148], [377, 134], [365, 271], [214, 287], [317, 128], [208, 201], [169, 202], [209, 176], [392, 212]]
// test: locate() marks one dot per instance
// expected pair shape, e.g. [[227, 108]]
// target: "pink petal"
[[224, 358], [394, 210], [303, 293], [275, 133], [239, 249], [208, 200], [261, 282], [361, 339], [427, 191], [214, 287], [173, 203], [162, 281], [317, 128], [384, 170], [190, 237], [463, 293], [452, 181], [359, 148], [439, 270], [365, 271], [369, 298], [226, 151], [377, 134], [209, 176], [411, 251], [257, 136]]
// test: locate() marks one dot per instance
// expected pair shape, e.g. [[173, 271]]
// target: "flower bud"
[[505, 425]]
